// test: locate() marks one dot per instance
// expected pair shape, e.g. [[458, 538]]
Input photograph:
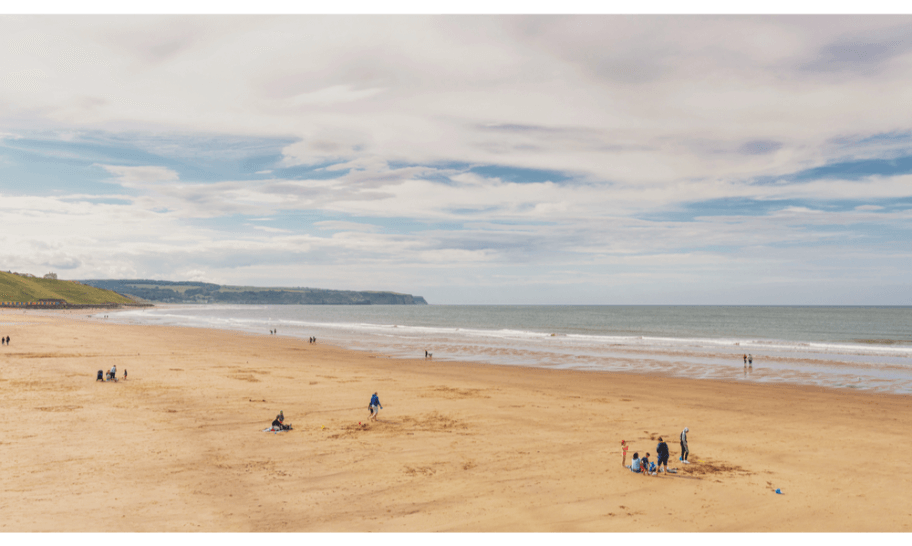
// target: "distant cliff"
[[201, 292]]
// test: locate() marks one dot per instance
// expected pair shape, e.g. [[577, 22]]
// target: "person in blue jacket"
[[375, 407]]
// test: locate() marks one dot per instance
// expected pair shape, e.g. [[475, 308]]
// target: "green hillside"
[[14, 288]]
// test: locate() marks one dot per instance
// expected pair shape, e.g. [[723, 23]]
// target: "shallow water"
[[845, 347]]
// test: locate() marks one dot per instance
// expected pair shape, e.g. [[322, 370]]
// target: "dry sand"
[[461, 447]]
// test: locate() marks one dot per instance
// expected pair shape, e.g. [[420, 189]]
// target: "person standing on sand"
[[624, 447], [750, 360], [684, 450], [375, 407], [745, 360], [662, 454]]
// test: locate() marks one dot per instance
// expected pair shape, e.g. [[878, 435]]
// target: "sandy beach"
[[180, 446]]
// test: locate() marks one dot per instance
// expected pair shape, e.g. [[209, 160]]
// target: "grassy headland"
[[17, 288]]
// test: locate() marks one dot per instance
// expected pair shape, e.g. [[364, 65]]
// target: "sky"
[[549, 159]]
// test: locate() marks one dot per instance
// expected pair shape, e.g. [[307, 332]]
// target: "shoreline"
[[460, 446], [840, 371]]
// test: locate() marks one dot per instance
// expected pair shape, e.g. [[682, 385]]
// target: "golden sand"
[[460, 447]]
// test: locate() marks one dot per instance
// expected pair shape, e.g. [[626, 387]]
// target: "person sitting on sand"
[[374, 407], [279, 422], [662, 454], [635, 463]]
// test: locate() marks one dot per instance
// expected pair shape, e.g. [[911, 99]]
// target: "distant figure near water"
[[750, 360]]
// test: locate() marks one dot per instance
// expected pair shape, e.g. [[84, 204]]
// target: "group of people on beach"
[[5, 340], [111, 375], [642, 465], [749, 360]]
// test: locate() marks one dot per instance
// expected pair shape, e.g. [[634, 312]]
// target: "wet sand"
[[460, 447]]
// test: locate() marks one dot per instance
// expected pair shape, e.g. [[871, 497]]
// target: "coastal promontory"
[[201, 292]]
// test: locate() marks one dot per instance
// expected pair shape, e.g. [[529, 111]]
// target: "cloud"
[[335, 225], [268, 229], [478, 151], [760, 147], [863, 53], [133, 177], [335, 94]]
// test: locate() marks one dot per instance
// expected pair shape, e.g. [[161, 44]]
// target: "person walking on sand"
[[750, 360], [684, 450], [745, 360], [662, 454], [375, 407]]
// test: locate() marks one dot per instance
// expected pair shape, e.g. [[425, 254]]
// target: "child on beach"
[[624, 447], [644, 464]]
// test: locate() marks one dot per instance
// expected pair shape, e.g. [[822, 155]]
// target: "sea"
[[868, 348]]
